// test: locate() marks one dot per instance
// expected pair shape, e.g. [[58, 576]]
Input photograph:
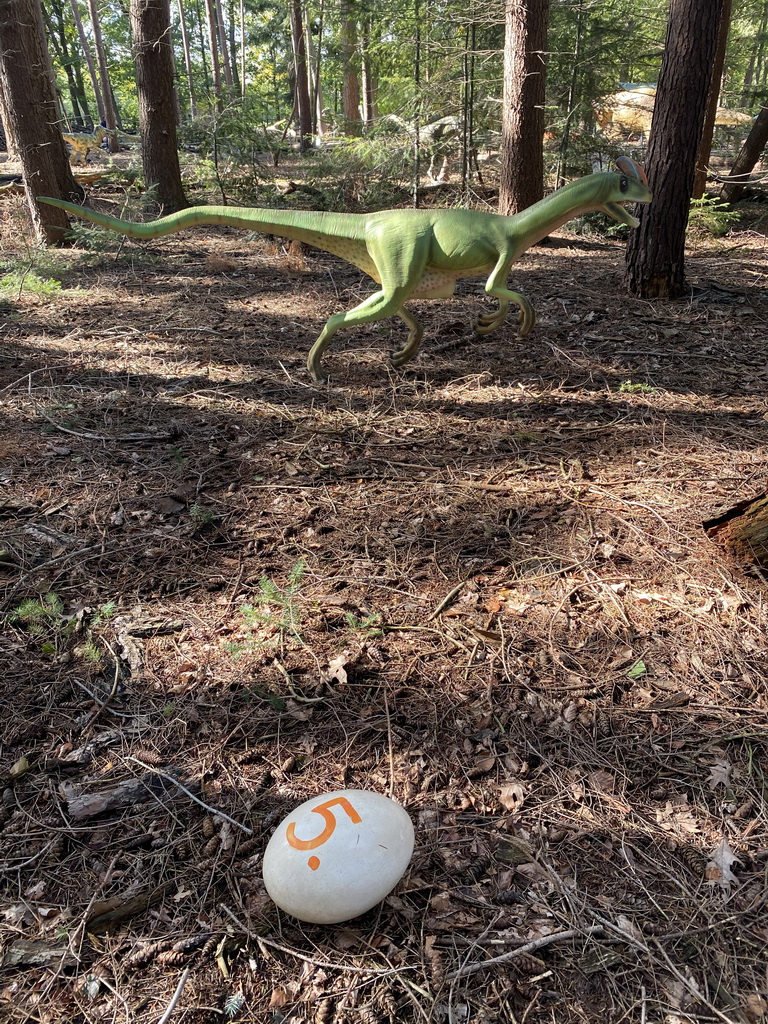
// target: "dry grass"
[[481, 585]]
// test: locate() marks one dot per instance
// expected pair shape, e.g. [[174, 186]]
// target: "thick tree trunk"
[[521, 170], [151, 27], [656, 249], [750, 153], [29, 105], [713, 98], [743, 531]]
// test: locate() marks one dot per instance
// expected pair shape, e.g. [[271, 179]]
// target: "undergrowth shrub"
[[710, 215]]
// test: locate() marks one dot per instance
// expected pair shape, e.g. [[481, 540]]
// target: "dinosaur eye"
[[623, 184]]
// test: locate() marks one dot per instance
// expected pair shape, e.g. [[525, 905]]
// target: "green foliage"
[[16, 282], [240, 133], [104, 613], [201, 515], [370, 626], [39, 616], [712, 216], [628, 387], [94, 239], [46, 619], [278, 607], [361, 174], [275, 612]]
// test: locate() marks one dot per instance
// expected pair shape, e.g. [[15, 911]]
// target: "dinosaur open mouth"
[[621, 214]]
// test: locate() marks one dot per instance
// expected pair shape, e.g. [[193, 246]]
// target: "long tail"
[[301, 224]]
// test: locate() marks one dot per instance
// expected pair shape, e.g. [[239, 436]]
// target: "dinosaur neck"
[[536, 222]]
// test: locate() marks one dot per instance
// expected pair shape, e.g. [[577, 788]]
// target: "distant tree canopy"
[[347, 64]]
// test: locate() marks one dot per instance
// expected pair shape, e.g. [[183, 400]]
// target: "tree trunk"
[[750, 153], [318, 125], [351, 87], [562, 159], [233, 61], [369, 86], [223, 48], [89, 61], [69, 63], [214, 49], [153, 52], [656, 249], [242, 48], [521, 170], [713, 99], [743, 531], [106, 85], [302, 104], [9, 130], [29, 104], [187, 58], [755, 62]]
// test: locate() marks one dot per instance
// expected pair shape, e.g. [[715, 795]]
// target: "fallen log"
[[743, 530]]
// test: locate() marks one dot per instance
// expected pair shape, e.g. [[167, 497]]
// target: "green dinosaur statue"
[[415, 254]]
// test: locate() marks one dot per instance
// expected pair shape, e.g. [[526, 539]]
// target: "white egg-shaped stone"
[[338, 855]]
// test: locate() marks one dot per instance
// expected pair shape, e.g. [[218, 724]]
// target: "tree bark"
[[153, 51], [214, 49], [302, 104], [750, 153], [521, 170], [223, 48], [106, 85], [743, 531], [351, 81], [29, 105], [656, 249], [82, 120], [187, 58], [713, 98], [89, 61], [9, 131]]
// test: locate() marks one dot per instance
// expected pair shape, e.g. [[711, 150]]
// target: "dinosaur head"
[[630, 185]]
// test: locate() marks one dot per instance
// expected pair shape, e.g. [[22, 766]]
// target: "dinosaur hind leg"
[[400, 260], [375, 307]]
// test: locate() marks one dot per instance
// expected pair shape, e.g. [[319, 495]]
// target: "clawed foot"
[[400, 357], [526, 319]]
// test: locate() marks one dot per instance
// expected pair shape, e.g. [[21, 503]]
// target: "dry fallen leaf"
[[720, 773], [512, 795], [336, 669], [755, 1007], [718, 869], [602, 781]]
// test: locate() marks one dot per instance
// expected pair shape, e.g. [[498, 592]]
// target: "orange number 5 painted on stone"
[[330, 824], [324, 810]]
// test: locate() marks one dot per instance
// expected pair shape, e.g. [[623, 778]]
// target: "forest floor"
[[481, 585]]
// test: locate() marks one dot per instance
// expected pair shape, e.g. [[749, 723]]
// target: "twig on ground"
[[175, 997], [545, 940], [212, 810]]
